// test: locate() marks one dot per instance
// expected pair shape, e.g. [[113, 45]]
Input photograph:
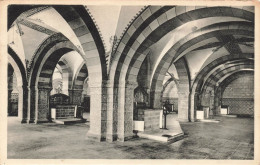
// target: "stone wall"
[[239, 95], [242, 106]]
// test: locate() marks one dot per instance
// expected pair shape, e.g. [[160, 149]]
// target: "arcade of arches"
[[192, 57]]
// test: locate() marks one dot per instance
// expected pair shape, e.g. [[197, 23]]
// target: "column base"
[[95, 137], [124, 138], [111, 137], [182, 120], [41, 121], [24, 121], [31, 121], [193, 120]]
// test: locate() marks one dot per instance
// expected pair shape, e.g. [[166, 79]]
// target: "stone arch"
[[172, 79], [20, 73], [208, 90], [42, 66], [224, 82], [199, 80], [238, 104], [83, 26], [80, 76], [66, 76], [78, 83], [91, 50], [168, 83], [197, 83], [136, 39], [222, 71], [41, 79], [149, 27], [190, 40]]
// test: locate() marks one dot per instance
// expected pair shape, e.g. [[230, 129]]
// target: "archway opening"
[[13, 93]]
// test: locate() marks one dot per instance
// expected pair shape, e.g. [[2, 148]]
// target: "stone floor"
[[231, 138]]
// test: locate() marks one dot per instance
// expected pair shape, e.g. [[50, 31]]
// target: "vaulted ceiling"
[[32, 27]]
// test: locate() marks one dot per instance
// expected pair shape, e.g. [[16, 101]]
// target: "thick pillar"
[[125, 111], [111, 112], [75, 96], [65, 83], [183, 105], [22, 103], [217, 101], [193, 105], [42, 110], [9, 102], [32, 102], [155, 99], [98, 113], [211, 103], [183, 90]]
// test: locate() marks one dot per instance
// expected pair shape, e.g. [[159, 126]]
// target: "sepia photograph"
[[129, 81]]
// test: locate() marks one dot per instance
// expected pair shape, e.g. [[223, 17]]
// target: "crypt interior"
[[125, 82]]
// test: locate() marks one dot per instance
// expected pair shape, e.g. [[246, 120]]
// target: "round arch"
[[148, 28], [20, 73], [225, 82], [92, 51], [214, 68]]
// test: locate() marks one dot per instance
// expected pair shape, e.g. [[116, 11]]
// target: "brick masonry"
[[239, 95]]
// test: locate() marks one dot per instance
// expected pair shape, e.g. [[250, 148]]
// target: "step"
[[228, 115], [169, 138], [68, 121], [172, 134]]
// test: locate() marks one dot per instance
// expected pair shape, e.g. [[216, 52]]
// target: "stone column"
[[111, 111], [70, 96], [98, 113], [75, 96], [65, 83], [183, 89], [9, 101], [32, 102], [155, 98], [193, 106], [42, 110], [22, 103], [217, 101], [183, 105], [125, 110], [211, 103]]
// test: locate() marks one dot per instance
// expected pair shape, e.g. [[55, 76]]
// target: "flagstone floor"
[[231, 138]]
